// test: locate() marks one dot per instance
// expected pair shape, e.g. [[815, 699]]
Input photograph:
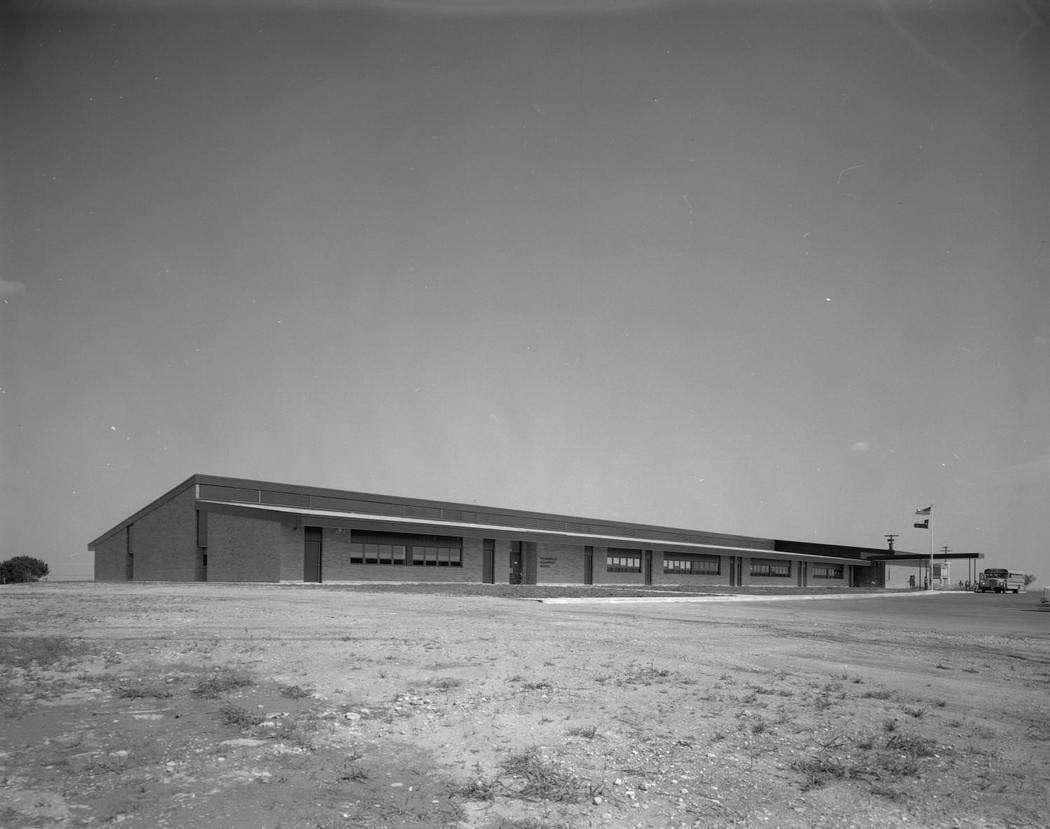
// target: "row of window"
[[693, 565], [400, 554], [770, 567], [620, 561]]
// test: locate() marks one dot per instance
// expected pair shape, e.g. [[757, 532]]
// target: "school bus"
[[997, 580]]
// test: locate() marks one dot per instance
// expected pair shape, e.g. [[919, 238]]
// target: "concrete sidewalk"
[[737, 597]]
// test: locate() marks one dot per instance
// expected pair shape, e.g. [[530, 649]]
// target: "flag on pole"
[[922, 525], [925, 510]]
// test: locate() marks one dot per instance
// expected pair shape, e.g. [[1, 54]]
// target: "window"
[[827, 571], [437, 556], [695, 565], [402, 549], [770, 567], [623, 561]]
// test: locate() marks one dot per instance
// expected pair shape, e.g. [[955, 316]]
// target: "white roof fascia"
[[393, 519]]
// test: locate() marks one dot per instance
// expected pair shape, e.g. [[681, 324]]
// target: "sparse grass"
[[776, 692], [445, 683], [42, 651], [914, 711], [642, 675], [477, 788], [353, 772], [878, 693], [534, 685], [240, 717], [588, 732], [527, 823], [294, 692], [218, 684], [899, 758], [912, 745], [821, 770], [542, 778], [144, 689]]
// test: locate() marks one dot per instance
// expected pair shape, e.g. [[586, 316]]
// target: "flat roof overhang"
[[922, 557], [429, 526]]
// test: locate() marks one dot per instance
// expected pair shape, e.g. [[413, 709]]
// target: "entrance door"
[[588, 565], [312, 554], [516, 562], [648, 566]]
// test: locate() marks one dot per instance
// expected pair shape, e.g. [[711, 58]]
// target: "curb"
[[733, 598]]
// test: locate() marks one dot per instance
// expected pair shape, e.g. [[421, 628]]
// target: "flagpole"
[[931, 546], [927, 524]]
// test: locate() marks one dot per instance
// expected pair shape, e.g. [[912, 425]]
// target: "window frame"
[[686, 564], [768, 568], [828, 571], [623, 560]]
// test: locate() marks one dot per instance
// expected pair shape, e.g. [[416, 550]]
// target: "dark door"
[[588, 565], [488, 562], [312, 554], [129, 557], [530, 561], [515, 562], [648, 567]]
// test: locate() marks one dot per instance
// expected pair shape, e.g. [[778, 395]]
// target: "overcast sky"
[[772, 268]]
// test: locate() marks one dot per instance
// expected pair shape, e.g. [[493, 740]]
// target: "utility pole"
[[945, 550], [889, 539]]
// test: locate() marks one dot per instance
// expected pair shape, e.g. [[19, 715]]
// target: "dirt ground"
[[269, 706]]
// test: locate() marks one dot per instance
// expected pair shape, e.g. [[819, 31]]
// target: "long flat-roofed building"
[[211, 528]]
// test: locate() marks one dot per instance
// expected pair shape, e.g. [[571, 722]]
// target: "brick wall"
[[164, 541], [110, 558], [291, 552], [559, 563], [246, 549]]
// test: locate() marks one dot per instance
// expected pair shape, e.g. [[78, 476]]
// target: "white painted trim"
[[759, 552]]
